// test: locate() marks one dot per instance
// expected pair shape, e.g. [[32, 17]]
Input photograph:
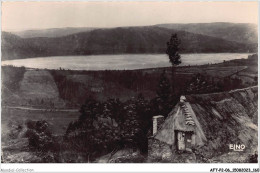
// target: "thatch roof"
[[228, 117], [241, 102], [179, 120], [211, 112]]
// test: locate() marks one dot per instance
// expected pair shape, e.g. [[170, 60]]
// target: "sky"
[[18, 16]]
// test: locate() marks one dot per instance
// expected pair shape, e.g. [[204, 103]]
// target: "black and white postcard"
[[142, 82]]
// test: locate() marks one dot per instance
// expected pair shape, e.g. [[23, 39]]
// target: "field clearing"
[[36, 88], [58, 120], [247, 75], [102, 89], [13, 141], [213, 70], [252, 69], [38, 84], [224, 71], [245, 79]]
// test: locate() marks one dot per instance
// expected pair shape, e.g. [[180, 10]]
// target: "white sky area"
[[17, 16]]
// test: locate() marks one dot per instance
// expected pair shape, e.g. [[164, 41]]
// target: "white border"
[[143, 167]]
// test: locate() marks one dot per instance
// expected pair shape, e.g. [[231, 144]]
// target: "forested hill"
[[52, 32], [150, 39], [239, 32]]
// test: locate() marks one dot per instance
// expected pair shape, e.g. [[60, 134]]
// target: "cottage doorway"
[[184, 140], [188, 141], [180, 140]]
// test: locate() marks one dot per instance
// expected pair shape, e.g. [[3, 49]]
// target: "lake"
[[120, 62]]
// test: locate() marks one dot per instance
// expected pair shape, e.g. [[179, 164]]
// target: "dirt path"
[[237, 72]]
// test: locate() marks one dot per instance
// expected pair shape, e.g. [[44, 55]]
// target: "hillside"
[[239, 32], [115, 41], [53, 32]]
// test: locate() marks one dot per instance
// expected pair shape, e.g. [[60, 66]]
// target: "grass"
[[12, 76], [58, 120], [13, 128], [127, 84], [34, 88]]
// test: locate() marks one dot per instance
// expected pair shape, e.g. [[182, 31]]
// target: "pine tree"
[[90, 110], [115, 106], [164, 95], [144, 116], [131, 126], [174, 56]]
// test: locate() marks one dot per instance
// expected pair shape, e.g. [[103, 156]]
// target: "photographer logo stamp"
[[237, 147]]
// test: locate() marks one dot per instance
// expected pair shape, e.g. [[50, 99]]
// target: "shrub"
[[253, 158], [39, 135]]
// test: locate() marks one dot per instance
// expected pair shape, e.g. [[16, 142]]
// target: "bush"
[[39, 135], [253, 158], [103, 127]]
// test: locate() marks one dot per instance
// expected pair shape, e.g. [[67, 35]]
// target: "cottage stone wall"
[[159, 151]]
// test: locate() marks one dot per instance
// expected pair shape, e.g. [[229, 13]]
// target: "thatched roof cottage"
[[211, 121]]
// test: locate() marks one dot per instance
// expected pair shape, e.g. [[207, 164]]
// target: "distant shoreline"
[[120, 61], [185, 53]]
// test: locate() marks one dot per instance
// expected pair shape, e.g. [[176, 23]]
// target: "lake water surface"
[[120, 62]]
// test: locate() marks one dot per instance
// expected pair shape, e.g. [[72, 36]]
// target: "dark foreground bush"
[[253, 158], [39, 135]]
